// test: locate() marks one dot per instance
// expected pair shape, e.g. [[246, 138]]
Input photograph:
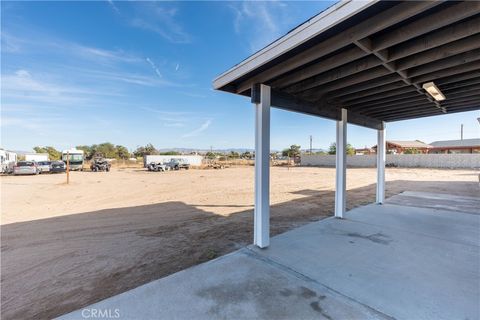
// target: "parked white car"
[[26, 167], [44, 166]]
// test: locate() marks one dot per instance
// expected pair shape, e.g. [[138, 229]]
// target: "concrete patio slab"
[[381, 262], [422, 272], [241, 285], [437, 201]]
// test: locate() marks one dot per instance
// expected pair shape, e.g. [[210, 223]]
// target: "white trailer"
[[37, 157], [8, 160], [192, 160]]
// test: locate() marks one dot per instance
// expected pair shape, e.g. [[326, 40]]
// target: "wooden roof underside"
[[375, 63]]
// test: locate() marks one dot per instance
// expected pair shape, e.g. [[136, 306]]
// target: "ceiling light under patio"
[[433, 90]]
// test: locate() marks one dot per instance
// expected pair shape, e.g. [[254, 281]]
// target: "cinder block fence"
[[471, 161]]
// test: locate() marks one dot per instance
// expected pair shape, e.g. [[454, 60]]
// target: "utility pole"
[[310, 144], [461, 132]]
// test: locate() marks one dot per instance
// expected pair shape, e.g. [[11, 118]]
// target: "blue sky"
[[138, 72]]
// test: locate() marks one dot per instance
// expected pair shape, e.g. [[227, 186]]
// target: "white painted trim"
[[261, 233], [381, 157], [306, 31], [341, 166]]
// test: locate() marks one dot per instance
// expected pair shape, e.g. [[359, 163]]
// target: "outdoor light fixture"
[[433, 90]]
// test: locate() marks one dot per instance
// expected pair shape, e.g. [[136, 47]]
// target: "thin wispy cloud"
[[160, 19], [265, 19], [37, 125], [46, 88], [9, 43], [171, 118], [154, 67], [113, 6], [102, 55], [199, 130]]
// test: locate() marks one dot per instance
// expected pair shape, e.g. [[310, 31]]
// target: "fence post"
[[68, 167]]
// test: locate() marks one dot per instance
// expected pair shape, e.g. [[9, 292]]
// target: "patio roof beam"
[[462, 108], [388, 99], [467, 67], [415, 114], [463, 100], [360, 86], [384, 106], [324, 65], [395, 110], [358, 78], [283, 100], [437, 20], [451, 81], [459, 86], [387, 90], [348, 69], [406, 98], [462, 91], [439, 53], [435, 39], [366, 45]]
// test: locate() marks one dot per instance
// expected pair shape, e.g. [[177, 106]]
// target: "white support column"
[[341, 166], [381, 156], [261, 221]]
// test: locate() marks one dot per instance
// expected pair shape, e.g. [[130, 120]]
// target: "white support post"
[[261, 219], [341, 166], [381, 156]]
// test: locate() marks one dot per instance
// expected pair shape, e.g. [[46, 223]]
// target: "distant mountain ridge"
[[190, 150]]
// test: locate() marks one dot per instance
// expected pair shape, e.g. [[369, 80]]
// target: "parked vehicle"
[[193, 160], [156, 166], [58, 167], [8, 160], [100, 164], [76, 158], [177, 164], [44, 166], [26, 167]]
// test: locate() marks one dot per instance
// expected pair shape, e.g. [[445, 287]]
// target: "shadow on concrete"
[[56, 265]]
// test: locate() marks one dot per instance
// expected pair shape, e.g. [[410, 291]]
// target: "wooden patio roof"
[[372, 59]]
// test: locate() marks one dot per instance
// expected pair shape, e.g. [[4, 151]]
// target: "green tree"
[[88, 152], [293, 151], [146, 150], [122, 152], [170, 153], [349, 149], [105, 149], [53, 153], [332, 149], [233, 155], [411, 151], [210, 155], [246, 155]]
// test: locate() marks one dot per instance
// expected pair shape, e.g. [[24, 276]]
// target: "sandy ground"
[[66, 246]]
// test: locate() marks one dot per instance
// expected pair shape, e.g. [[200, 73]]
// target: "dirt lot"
[[66, 246]]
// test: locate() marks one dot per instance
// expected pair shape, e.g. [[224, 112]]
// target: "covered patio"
[[365, 63], [413, 256]]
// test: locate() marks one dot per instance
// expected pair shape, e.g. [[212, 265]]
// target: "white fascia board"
[[308, 30]]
